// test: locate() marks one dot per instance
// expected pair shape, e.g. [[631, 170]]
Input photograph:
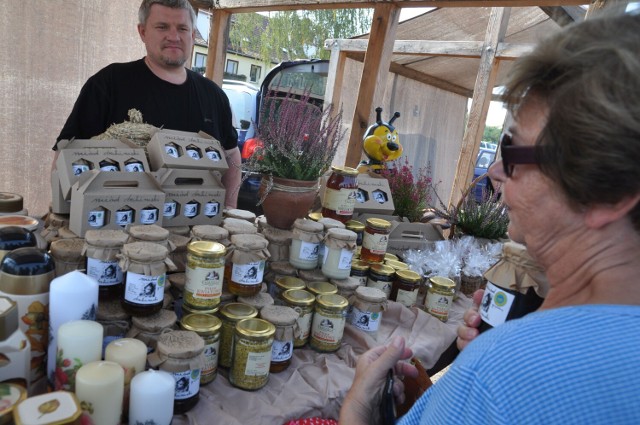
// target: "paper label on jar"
[[365, 320], [438, 304], [187, 383], [109, 168], [346, 257], [134, 167], [190, 210], [248, 274], [193, 153], [169, 209], [148, 216], [376, 243], [96, 218], [380, 284], [407, 298], [495, 305], [204, 283], [327, 329], [258, 364], [281, 350], [171, 151], [124, 217], [213, 155], [79, 169], [362, 280], [304, 323], [342, 201], [309, 251], [211, 209], [143, 289], [211, 358], [107, 273]]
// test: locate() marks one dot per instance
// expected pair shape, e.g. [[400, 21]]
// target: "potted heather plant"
[[410, 189]]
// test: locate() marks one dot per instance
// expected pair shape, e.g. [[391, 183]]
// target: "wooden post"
[[217, 45], [333, 89]]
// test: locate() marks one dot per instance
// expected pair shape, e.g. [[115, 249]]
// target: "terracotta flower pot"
[[286, 200]]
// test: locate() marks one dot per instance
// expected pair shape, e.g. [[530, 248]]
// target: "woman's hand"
[[469, 330], [362, 402]]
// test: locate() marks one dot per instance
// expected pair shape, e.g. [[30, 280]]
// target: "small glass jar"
[[150, 233], [279, 243], [360, 271], [149, 328], [340, 246], [321, 288], [440, 297], [67, 254], [339, 198], [108, 165], [405, 287], [375, 240], [327, 223], [211, 233], [283, 284], [240, 214], [396, 265], [257, 301], [247, 264], [80, 166], [204, 274], [97, 217], [124, 216], [368, 305], [346, 287], [208, 327], [252, 345], [101, 248], [302, 302], [358, 228], [285, 320], [238, 226], [149, 215], [381, 277], [329, 318], [305, 244], [134, 166], [231, 314], [171, 149]]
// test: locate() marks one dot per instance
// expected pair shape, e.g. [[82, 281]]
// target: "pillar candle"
[[73, 296], [79, 342], [152, 398], [100, 388], [131, 354]]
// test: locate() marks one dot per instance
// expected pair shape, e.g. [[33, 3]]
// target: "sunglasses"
[[512, 155]]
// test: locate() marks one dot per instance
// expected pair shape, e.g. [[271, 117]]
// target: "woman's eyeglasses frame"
[[512, 155]]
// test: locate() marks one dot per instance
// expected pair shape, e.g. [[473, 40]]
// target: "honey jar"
[[302, 302], [247, 264], [305, 244], [285, 320], [381, 277], [405, 287], [339, 248], [368, 305], [208, 327], [440, 297], [375, 240], [340, 194]]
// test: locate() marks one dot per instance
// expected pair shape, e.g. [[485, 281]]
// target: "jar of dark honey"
[[340, 194], [405, 287], [375, 240]]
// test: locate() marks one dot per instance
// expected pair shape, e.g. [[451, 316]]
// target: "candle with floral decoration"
[[79, 342], [131, 354], [152, 395], [100, 389]]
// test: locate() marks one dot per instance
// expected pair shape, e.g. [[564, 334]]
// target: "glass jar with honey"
[[375, 240], [340, 194]]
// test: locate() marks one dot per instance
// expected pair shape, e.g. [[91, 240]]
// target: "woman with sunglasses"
[[570, 178]]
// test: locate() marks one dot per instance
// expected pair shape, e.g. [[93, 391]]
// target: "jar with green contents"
[[381, 277], [440, 297], [230, 314], [208, 327], [283, 284], [252, 345], [329, 318], [322, 288], [204, 274], [302, 302]]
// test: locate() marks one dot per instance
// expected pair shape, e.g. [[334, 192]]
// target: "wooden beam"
[[333, 88], [596, 6], [482, 93], [217, 49], [564, 15]]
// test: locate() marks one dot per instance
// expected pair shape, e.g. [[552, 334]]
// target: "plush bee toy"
[[381, 144]]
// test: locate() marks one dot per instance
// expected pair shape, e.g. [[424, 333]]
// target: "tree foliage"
[[492, 134]]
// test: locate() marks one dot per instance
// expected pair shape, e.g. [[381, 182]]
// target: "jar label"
[[328, 330], [169, 209], [79, 169], [281, 350], [124, 217], [190, 210], [96, 218], [495, 305], [134, 167], [362, 279], [258, 364], [346, 256], [171, 151], [109, 167], [439, 304], [211, 209], [365, 320], [204, 283], [213, 155], [407, 298], [107, 273], [193, 153], [309, 251], [380, 284], [211, 358], [148, 215], [248, 274], [143, 289], [187, 383], [376, 243], [304, 322], [342, 201]]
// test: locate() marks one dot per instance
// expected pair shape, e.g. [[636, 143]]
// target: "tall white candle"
[[152, 398], [73, 296], [131, 354], [79, 342], [100, 388]]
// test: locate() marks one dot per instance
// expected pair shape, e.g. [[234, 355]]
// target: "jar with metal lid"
[[101, 249], [315, 216], [313, 275], [305, 244], [358, 228], [114, 320], [339, 248], [276, 270], [247, 264], [405, 287], [55, 408], [390, 256], [14, 346], [339, 198], [236, 226], [208, 327], [283, 284], [150, 233], [279, 242], [321, 288], [204, 274], [329, 318], [360, 271], [375, 240], [285, 319], [231, 314], [368, 305], [181, 354], [327, 223], [396, 265], [67, 255], [240, 214], [440, 297], [347, 286], [14, 237], [252, 345], [12, 203], [149, 328], [184, 310], [302, 302], [257, 301], [146, 264], [381, 277]]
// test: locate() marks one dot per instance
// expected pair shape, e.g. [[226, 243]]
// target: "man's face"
[[168, 36]]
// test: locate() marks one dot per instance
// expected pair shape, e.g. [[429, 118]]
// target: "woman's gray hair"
[[145, 9], [589, 77]]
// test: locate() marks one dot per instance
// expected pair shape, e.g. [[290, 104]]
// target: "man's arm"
[[232, 177]]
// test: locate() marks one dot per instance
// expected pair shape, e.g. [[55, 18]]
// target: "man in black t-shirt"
[[166, 93]]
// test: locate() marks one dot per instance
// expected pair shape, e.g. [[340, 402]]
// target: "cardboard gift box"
[[59, 205], [181, 149], [192, 197], [372, 196]]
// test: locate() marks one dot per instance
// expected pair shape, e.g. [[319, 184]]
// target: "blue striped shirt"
[[572, 365]]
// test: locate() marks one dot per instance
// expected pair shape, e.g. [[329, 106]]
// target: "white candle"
[[79, 342], [73, 296], [152, 398], [131, 354], [100, 388]]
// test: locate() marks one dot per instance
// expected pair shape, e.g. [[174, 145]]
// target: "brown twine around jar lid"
[[308, 230], [146, 258]]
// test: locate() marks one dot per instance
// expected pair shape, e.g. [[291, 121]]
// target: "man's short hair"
[[145, 8]]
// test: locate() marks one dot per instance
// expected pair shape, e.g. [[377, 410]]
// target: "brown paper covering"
[[109, 310], [282, 268], [67, 254], [331, 223], [341, 239], [369, 299], [249, 248], [179, 254], [311, 275], [258, 301], [146, 258], [518, 271], [209, 232], [308, 230], [279, 242], [236, 226], [150, 233], [285, 319], [178, 351], [240, 214], [179, 230]]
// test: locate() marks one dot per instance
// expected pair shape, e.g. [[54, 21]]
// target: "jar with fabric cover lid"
[[327, 223], [184, 310], [312, 275], [440, 297], [14, 237], [252, 345], [279, 242], [67, 255], [204, 274], [322, 288], [302, 302], [211, 233], [375, 240], [208, 327], [405, 287], [57, 227], [240, 214], [150, 233], [305, 244], [149, 328], [283, 284], [101, 248], [358, 228], [115, 322], [237, 226], [339, 198], [339, 248], [346, 287], [381, 277], [261, 222], [181, 354], [360, 271], [257, 301], [368, 305], [329, 318], [177, 283], [179, 254], [179, 230], [285, 320], [247, 264], [231, 314]]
